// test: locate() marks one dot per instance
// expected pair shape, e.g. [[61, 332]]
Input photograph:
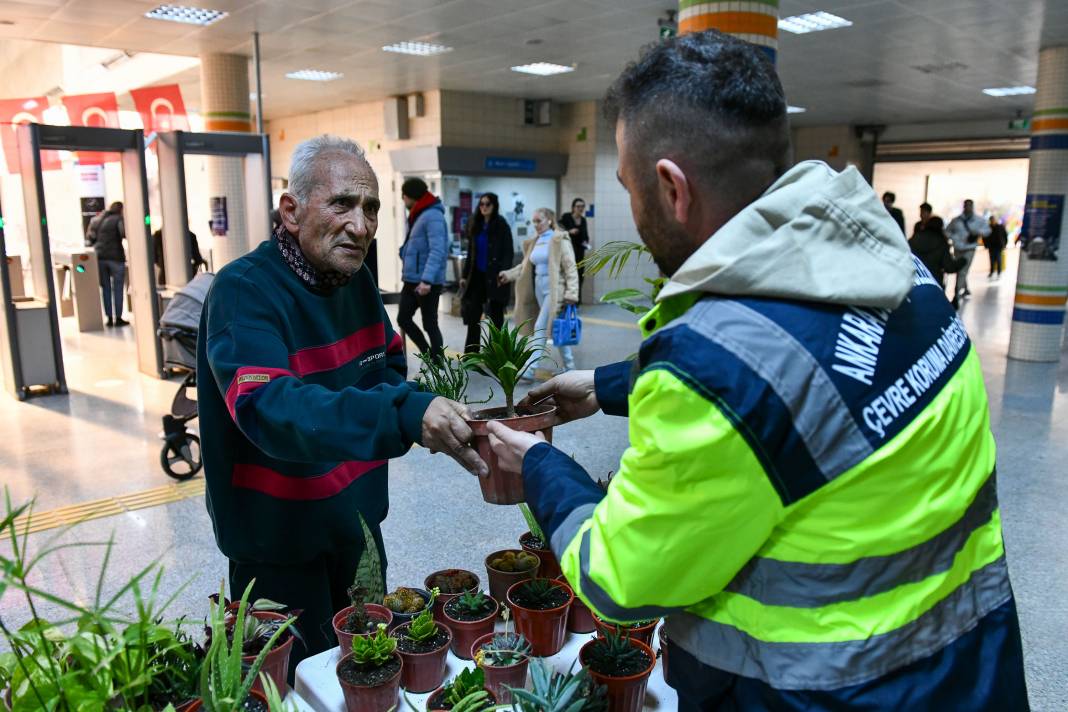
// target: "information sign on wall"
[[1041, 231], [220, 220]]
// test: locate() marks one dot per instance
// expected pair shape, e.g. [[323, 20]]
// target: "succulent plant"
[[537, 591], [405, 600], [423, 628], [614, 651], [513, 561], [553, 691], [357, 620], [473, 603], [373, 650], [503, 649], [503, 355]]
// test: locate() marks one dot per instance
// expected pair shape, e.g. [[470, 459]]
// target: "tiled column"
[[756, 21], [1042, 285], [224, 105]]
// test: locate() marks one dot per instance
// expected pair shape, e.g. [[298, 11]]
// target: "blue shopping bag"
[[567, 328]]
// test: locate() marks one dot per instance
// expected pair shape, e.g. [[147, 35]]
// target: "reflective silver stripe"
[[602, 602], [822, 419], [569, 528], [825, 666], [801, 585]]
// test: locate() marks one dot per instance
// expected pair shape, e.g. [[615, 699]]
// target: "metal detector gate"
[[130, 144], [172, 148]]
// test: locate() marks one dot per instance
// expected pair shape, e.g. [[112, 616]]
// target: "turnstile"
[[172, 148], [78, 277]]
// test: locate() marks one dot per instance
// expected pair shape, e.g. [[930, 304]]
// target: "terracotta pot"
[[362, 698], [464, 633], [277, 663], [642, 633], [501, 581], [375, 612], [501, 486], [625, 694], [579, 616], [497, 677], [663, 639], [550, 567], [546, 630], [423, 671], [402, 618], [197, 704], [437, 693], [443, 598]]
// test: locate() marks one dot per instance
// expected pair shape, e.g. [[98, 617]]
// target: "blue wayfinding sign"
[[525, 165]]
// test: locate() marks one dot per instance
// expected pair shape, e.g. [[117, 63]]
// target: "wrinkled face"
[[665, 237], [485, 206], [337, 223], [541, 224]]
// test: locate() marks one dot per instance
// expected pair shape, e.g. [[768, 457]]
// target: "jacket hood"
[[815, 235]]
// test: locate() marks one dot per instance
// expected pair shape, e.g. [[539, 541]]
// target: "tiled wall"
[[365, 123], [482, 121], [836, 145]]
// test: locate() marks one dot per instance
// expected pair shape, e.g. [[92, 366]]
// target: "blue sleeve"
[[556, 486], [438, 246], [612, 386]]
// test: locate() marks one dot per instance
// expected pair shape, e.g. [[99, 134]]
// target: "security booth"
[[78, 277], [130, 144], [172, 148]]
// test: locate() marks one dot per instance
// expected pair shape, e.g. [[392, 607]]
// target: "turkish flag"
[[93, 110], [161, 108], [23, 111]]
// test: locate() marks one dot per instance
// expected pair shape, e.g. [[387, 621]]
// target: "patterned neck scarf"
[[316, 280]]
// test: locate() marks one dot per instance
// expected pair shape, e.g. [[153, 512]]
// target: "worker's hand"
[[511, 446], [572, 393], [445, 430], [423, 289]]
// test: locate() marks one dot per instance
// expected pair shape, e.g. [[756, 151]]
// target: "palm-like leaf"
[[504, 354]]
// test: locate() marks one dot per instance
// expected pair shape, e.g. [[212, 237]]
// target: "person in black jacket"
[[489, 250], [898, 216], [930, 244], [578, 228], [995, 242], [106, 236]]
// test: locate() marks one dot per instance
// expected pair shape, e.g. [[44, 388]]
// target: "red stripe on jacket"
[[243, 384], [265, 480], [396, 345], [339, 353]]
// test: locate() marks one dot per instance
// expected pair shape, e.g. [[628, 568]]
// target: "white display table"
[[316, 682]]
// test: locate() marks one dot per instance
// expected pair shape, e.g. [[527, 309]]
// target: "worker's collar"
[[313, 278]]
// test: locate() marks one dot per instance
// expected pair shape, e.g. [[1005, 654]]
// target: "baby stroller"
[[178, 328]]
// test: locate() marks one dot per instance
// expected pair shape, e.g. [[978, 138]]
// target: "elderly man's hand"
[[511, 446], [573, 394], [444, 430]]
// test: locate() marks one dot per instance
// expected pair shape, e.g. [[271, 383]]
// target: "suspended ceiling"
[[902, 61]]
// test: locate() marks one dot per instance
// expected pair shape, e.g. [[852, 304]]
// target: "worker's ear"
[[289, 209], [674, 190]]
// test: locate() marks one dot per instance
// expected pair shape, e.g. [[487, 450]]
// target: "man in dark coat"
[[995, 243], [106, 236]]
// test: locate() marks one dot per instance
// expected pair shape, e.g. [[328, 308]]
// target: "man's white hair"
[[302, 164]]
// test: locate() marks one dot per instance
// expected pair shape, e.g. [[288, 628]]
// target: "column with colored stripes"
[[225, 107], [1042, 285], [755, 21]]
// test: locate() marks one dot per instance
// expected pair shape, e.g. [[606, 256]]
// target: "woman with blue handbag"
[[546, 281]]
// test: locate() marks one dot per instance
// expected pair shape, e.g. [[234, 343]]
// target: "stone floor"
[[101, 440]]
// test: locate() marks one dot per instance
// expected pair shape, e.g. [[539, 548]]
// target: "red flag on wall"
[[93, 110], [23, 111], [161, 108]]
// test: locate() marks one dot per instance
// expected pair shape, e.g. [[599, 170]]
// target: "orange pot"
[[644, 633], [625, 694], [363, 698], [546, 629], [375, 612], [501, 581], [502, 486]]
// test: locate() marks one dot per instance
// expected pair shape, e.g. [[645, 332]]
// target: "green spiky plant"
[[612, 652], [504, 649], [553, 691], [614, 257], [275, 702], [504, 355], [475, 603], [423, 628], [225, 681], [533, 526], [538, 591], [468, 681], [446, 376], [373, 650]]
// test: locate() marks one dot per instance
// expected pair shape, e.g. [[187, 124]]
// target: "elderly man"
[[809, 492], [303, 398]]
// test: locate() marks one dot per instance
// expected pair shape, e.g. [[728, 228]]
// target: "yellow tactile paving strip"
[[108, 507]]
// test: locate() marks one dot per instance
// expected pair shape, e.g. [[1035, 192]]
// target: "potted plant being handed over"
[[504, 355], [361, 618], [469, 616], [623, 665], [370, 674], [540, 610], [423, 644]]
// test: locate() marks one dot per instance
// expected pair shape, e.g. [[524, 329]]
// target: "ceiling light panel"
[[419, 49], [543, 69], [812, 22], [1008, 91], [795, 109], [314, 75], [199, 16]]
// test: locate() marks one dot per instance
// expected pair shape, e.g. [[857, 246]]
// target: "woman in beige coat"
[[545, 281]]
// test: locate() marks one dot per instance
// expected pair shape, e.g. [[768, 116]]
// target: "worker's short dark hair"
[[710, 102], [414, 188]]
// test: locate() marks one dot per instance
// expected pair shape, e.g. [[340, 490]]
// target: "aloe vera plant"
[[503, 355], [552, 691]]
